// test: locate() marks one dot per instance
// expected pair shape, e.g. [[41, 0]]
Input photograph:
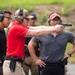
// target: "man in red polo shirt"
[[16, 40]]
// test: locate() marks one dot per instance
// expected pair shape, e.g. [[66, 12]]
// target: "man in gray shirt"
[[52, 49]]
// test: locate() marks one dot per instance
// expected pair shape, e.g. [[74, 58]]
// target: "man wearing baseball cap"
[[32, 19], [29, 64], [16, 40], [54, 17], [52, 49]]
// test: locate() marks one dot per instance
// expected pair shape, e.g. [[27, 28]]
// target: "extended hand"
[[59, 28]]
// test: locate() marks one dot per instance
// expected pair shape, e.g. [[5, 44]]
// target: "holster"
[[65, 61], [12, 64]]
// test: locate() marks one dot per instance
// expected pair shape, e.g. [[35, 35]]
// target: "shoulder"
[[67, 32]]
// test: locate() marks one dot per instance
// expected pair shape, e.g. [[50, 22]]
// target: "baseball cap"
[[21, 13], [32, 15], [53, 15]]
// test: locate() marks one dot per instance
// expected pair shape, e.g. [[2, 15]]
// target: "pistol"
[[64, 24]]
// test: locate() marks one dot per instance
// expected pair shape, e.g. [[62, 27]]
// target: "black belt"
[[53, 64], [14, 58], [63, 62]]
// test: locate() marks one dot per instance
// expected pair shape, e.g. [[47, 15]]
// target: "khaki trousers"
[[18, 69], [30, 64]]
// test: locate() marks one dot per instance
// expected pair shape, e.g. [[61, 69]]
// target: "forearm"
[[40, 27], [32, 52], [43, 30], [72, 49], [37, 31]]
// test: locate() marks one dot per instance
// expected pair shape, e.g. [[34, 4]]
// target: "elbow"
[[29, 47], [38, 34]]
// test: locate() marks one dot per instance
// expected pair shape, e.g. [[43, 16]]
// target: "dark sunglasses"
[[32, 19], [7, 17], [26, 19]]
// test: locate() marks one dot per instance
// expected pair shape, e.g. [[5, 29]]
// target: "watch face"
[[69, 53]]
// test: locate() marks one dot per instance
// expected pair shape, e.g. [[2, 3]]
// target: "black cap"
[[32, 15]]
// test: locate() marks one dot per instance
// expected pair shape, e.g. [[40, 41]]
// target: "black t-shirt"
[[26, 49], [2, 45]]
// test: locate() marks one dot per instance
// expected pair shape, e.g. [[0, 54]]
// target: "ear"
[[1, 17]]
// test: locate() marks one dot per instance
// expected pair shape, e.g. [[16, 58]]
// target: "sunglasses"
[[7, 17], [26, 19], [32, 18]]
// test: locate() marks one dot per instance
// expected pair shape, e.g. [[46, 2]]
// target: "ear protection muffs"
[[21, 14], [49, 17], [1, 17]]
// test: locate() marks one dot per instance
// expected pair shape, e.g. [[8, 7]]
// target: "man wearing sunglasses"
[[29, 64], [5, 17]]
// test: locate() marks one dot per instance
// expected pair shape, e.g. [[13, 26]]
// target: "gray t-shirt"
[[52, 48]]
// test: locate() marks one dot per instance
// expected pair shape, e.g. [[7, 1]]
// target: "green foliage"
[[43, 18], [72, 59], [30, 4], [57, 2], [69, 46], [65, 11]]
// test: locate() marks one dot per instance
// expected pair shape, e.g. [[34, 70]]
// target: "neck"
[[1, 26], [54, 34]]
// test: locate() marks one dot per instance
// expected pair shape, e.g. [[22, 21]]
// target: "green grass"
[[30, 4]]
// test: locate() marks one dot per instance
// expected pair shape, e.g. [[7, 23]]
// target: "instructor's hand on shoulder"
[[59, 28]]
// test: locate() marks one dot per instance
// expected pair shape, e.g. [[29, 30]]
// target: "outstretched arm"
[[43, 30]]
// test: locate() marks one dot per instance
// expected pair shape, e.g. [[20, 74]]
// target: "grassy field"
[[30, 4]]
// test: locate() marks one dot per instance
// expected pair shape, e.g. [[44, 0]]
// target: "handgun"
[[64, 24]]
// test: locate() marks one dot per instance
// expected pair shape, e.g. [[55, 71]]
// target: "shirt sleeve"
[[71, 37], [19, 30], [35, 39]]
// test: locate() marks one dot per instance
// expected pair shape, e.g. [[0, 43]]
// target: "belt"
[[60, 63], [14, 58], [53, 64]]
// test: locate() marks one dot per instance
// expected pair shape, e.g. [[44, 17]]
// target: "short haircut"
[[5, 11]]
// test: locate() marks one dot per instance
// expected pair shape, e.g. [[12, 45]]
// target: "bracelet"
[[69, 53]]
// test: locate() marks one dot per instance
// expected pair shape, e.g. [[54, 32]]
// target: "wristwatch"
[[69, 53]]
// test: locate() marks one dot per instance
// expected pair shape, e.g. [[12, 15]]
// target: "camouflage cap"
[[21, 13]]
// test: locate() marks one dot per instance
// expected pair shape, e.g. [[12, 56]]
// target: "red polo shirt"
[[16, 40]]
